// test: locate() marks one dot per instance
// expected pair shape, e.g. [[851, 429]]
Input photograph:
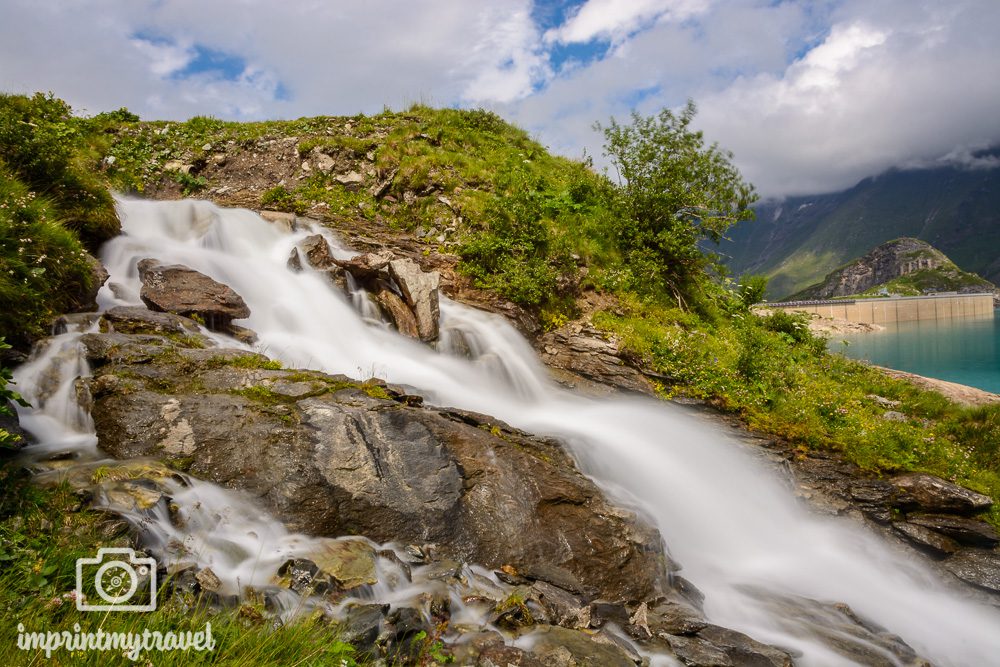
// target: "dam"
[[892, 310]]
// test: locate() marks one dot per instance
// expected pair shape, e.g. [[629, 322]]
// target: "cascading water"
[[740, 535]]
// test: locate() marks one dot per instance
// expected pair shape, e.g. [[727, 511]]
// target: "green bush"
[[44, 147], [43, 267], [675, 193]]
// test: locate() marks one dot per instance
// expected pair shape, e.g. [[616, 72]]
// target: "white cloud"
[[810, 95], [613, 20], [884, 89]]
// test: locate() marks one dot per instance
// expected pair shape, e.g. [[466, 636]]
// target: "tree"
[[675, 193]]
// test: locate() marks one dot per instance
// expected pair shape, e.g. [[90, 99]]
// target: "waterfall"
[[729, 520]]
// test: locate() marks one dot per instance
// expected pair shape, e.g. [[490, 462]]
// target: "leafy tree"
[[675, 192]]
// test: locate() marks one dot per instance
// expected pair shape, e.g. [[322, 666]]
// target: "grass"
[[781, 380], [42, 533]]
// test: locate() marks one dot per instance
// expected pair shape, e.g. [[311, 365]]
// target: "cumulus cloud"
[[883, 89], [613, 20], [810, 95]]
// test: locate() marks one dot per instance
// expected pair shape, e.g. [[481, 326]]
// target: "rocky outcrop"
[[581, 350], [892, 260], [407, 295], [330, 456], [183, 291], [420, 291]]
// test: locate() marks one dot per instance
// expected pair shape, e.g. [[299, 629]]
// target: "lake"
[[964, 350]]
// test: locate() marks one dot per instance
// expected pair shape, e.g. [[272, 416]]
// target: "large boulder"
[[927, 493], [178, 289], [330, 456], [420, 291]]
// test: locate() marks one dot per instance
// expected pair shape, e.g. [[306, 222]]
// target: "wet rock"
[[398, 312], [208, 580], [602, 613], [674, 618], [350, 562], [362, 626], [317, 252], [926, 539], [420, 291], [742, 650], [294, 262], [977, 567], [562, 647], [561, 607], [183, 291], [935, 495], [971, 532], [280, 219], [136, 319], [328, 458]]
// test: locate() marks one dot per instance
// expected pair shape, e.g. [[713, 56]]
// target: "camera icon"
[[122, 580]]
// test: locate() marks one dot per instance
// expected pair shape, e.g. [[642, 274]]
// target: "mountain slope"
[[906, 267], [801, 239]]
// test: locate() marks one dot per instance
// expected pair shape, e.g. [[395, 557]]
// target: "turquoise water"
[[964, 350]]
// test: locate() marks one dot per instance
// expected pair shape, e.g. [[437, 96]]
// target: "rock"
[[136, 319], [561, 607], [926, 539], [894, 416], [362, 626], [583, 351], [351, 562], [884, 402], [294, 262], [562, 647], [284, 221], [328, 459], [971, 532], [86, 299], [317, 252], [935, 495], [351, 180], [183, 291], [208, 580], [420, 291], [398, 312], [742, 650], [367, 267], [323, 162], [977, 567]]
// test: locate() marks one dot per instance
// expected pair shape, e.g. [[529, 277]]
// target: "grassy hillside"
[[540, 230], [800, 240]]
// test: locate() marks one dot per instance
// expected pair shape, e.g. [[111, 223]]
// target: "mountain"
[[905, 267], [799, 240]]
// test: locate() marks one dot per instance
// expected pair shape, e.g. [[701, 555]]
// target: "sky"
[[810, 96]]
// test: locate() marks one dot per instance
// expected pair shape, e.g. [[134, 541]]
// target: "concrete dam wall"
[[890, 310]]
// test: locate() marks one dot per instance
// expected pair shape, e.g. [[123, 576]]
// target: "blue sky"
[[810, 95]]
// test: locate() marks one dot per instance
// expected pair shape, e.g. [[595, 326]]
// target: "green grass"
[[781, 381], [43, 532]]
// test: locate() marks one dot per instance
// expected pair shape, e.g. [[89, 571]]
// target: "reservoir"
[[962, 349]]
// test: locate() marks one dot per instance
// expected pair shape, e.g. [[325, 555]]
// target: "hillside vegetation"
[[541, 231], [799, 240]]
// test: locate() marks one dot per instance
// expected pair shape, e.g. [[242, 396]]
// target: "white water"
[[727, 519]]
